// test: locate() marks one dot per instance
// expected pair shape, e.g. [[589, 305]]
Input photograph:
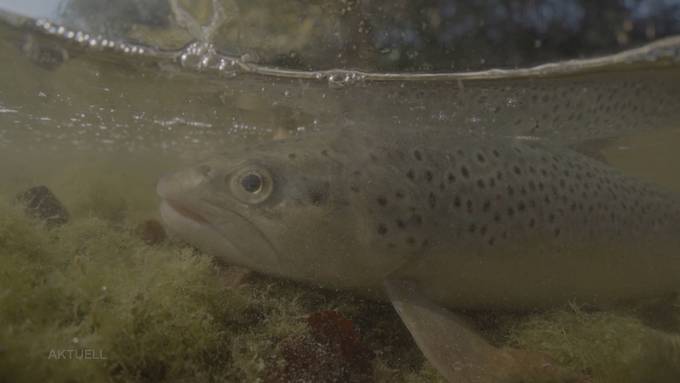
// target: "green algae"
[[165, 313], [607, 346], [151, 312]]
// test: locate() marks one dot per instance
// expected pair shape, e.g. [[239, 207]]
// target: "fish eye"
[[252, 184]]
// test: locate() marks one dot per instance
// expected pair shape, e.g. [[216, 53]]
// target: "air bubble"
[[205, 62], [342, 79]]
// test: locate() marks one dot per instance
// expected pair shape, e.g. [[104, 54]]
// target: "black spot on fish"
[[292, 156], [487, 206], [382, 229], [317, 197], [411, 174], [428, 176], [432, 200], [417, 155], [382, 201], [465, 172]]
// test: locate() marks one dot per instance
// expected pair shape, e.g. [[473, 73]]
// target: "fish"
[[436, 225]]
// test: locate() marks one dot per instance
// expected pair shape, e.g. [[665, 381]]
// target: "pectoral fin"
[[455, 349]]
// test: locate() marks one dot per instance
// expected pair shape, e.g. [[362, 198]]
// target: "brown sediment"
[[331, 352], [151, 232]]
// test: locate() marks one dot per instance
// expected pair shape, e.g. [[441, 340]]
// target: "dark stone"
[[49, 57], [42, 204]]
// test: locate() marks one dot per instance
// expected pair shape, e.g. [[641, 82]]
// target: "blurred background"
[[372, 35]]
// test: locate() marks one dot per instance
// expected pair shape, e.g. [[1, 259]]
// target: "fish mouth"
[[233, 238], [186, 212]]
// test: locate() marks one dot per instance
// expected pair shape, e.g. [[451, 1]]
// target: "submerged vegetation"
[[136, 312], [92, 300]]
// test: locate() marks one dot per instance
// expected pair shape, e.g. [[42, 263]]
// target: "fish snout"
[[176, 184]]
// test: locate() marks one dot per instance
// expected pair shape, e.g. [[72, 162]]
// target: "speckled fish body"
[[476, 222]]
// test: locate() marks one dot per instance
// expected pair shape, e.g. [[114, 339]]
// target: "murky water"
[[100, 118]]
